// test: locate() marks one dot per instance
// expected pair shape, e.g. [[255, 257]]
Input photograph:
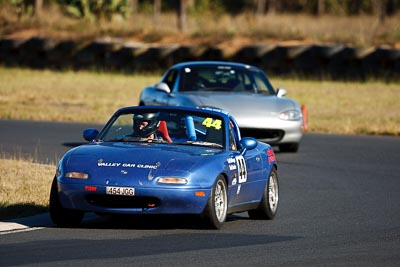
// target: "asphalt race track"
[[339, 206]]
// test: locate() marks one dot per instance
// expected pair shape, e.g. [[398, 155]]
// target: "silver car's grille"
[[267, 135]]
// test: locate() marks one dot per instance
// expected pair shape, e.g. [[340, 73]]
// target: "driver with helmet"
[[146, 125]]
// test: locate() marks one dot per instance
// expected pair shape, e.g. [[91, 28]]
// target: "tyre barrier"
[[212, 53], [60, 57], [187, 53], [155, 58], [314, 61], [252, 54], [9, 49]]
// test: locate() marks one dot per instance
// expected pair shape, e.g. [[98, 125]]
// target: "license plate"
[[121, 191]]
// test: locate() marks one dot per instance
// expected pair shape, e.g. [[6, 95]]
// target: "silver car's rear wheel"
[[270, 199], [217, 206]]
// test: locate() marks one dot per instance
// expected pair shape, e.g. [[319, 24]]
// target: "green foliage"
[[146, 7], [95, 10], [202, 7], [21, 7]]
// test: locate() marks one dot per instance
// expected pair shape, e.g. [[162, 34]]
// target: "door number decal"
[[242, 171]]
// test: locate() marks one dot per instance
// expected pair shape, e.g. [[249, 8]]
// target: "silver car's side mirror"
[[281, 92], [162, 87]]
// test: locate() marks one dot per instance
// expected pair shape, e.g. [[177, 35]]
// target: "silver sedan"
[[242, 90]]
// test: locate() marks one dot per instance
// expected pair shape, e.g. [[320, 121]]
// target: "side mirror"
[[248, 143], [162, 87], [281, 92], [90, 134]]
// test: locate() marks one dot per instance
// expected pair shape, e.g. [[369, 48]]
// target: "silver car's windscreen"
[[227, 79]]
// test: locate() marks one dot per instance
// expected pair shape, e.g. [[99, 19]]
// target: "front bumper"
[[273, 131], [291, 133], [163, 200]]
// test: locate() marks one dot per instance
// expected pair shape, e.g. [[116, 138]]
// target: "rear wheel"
[[217, 206], [269, 201], [60, 216]]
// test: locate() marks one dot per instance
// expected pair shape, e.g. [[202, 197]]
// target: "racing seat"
[[163, 130], [234, 84], [214, 136]]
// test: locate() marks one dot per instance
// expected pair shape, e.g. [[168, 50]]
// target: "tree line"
[[105, 9]]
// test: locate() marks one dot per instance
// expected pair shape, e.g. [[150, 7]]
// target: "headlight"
[[171, 180], [77, 175], [290, 115], [58, 170]]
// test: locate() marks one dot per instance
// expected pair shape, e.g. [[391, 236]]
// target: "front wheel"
[[61, 216], [217, 205], [269, 201]]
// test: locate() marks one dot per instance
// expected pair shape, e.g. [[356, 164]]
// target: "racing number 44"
[[242, 171]]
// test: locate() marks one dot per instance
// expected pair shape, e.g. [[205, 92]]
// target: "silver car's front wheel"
[[217, 206]]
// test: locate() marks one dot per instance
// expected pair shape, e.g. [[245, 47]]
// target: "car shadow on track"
[[149, 222]]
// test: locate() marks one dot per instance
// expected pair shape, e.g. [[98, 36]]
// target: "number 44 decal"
[[209, 122], [242, 171]]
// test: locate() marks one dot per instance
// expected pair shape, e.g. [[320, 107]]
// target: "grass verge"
[[369, 107], [66, 96], [24, 187], [339, 107]]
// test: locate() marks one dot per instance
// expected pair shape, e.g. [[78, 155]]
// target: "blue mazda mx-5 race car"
[[166, 160]]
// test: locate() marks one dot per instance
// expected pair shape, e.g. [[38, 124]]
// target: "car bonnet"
[[140, 160], [242, 104]]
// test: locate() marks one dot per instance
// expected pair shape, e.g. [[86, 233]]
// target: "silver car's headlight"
[[290, 115]]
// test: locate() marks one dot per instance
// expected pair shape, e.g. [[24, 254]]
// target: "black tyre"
[[291, 147], [60, 216], [217, 206], [269, 201]]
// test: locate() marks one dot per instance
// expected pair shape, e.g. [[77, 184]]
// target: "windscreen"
[[174, 127], [224, 78]]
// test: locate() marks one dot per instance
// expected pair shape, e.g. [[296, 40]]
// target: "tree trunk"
[[380, 9], [320, 10], [182, 15], [272, 6], [354, 7], [156, 11], [133, 4], [38, 8], [260, 7]]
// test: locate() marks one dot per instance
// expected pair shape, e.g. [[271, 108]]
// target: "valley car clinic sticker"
[[100, 163]]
